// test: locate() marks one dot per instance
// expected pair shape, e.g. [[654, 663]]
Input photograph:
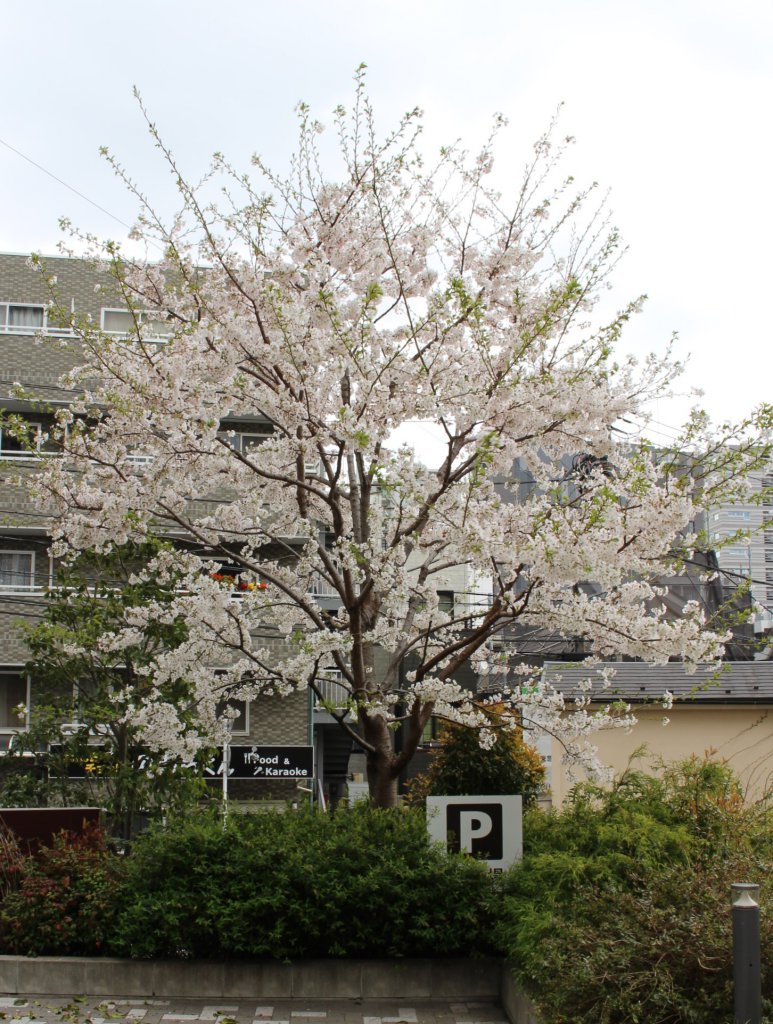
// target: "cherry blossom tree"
[[335, 308]]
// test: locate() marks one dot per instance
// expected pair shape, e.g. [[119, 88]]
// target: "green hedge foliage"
[[618, 914], [361, 883], [620, 910], [460, 766]]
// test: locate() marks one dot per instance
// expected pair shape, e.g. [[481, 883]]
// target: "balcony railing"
[[321, 588], [33, 329], [334, 694]]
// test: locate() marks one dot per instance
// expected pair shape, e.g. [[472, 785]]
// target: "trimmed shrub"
[[63, 900], [363, 882]]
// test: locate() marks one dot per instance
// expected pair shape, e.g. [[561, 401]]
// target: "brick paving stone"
[[107, 1010]]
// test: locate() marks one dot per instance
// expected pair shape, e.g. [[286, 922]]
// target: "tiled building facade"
[[35, 354]]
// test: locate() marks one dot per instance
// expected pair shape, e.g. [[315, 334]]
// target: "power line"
[[730, 574], [530, 645], [51, 174]]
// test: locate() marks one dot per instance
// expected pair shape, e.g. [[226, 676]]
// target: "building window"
[[735, 552], [13, 447], [14, 695], [27, 318], [244, 442], [431, 733], [240, 725], [320, 587], [245, 439], [17, 570], [333, 692], [123, 323], [87, 691], [138, 459], [16, 318], [445, 601]]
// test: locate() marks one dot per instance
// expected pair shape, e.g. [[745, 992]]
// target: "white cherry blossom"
[[337, 311]]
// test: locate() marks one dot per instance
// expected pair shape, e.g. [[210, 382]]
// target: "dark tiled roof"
[[738, 682]]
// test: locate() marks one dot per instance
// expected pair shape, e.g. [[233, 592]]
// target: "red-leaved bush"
[[62, 900]]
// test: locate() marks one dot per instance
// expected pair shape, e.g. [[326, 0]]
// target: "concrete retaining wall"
[[515, 1004], [323, 979], [318, 979]]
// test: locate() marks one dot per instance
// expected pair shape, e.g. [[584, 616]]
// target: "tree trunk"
[[382, 778], [383, 787]]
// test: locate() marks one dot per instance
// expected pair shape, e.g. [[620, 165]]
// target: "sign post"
[[224, 767]]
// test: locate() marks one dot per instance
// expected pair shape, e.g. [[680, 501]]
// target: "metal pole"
[[226, 759], [312, 745], [746, 953]]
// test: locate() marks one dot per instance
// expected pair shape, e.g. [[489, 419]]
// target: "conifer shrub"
[[12, 861], [461, 767], [620, 910]]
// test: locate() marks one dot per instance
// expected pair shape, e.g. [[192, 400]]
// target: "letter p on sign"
[[473, 825], [488, 827]]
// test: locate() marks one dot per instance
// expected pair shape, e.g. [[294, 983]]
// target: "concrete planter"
[[487, 979]]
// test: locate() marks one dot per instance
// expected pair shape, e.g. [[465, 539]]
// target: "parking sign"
[[488, 827]]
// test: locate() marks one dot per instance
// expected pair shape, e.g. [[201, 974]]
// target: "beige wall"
[[740, 735]]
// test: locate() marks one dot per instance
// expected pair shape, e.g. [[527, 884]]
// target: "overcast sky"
[[670, 103]]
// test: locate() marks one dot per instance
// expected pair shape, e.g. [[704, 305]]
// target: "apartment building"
[[743, 536], [36, 352]]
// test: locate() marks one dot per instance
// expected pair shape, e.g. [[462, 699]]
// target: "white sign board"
[[488, 827]]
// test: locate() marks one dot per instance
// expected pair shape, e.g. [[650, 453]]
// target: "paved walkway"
[[102, 1010]]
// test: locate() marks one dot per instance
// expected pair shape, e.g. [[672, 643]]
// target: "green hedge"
[[618, 914], [362, 883]]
